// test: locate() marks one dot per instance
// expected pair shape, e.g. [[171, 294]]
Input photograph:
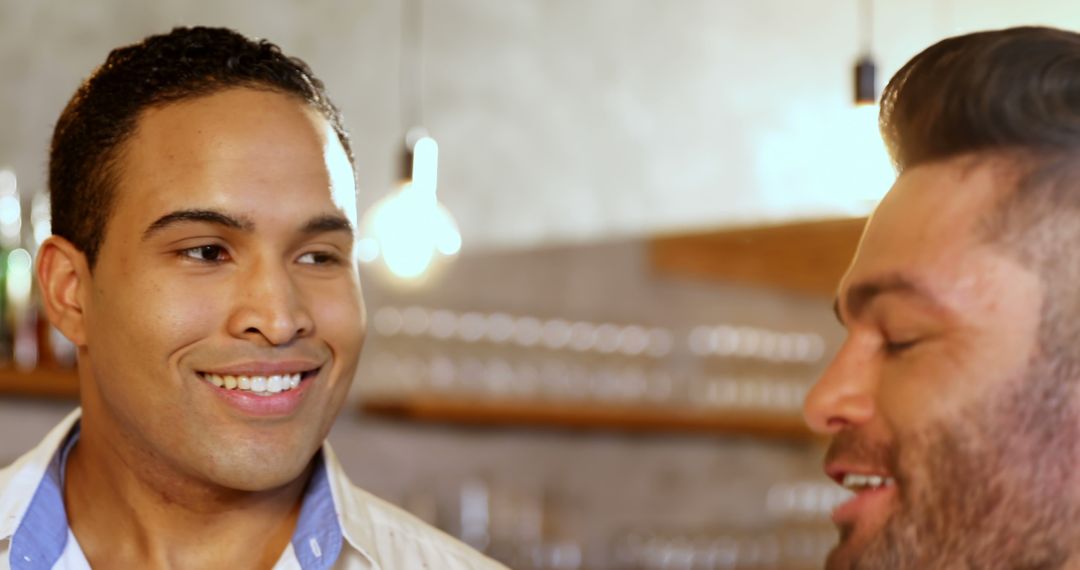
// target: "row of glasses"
[[727, 341], [571, 380], [524, 331], [805, 500], [793, 548], [499, 328]]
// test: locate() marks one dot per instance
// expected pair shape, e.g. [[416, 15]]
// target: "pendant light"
[[865, 69], [408, 236], [869, 172]]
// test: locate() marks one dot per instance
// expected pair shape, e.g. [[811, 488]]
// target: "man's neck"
[[166, 519]]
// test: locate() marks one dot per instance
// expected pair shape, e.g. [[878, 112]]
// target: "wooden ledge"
[[510, 413], [54, 383], [806, 257]]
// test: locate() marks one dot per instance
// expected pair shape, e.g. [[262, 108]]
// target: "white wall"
[[559, 120]]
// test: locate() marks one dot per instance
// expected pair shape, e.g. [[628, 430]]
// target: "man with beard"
[[953, 404], [204, 210]]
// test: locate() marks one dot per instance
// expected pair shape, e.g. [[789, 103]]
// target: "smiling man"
[[954, 404], [203, 204]]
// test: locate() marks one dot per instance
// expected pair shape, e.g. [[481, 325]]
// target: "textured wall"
[[559, 120]]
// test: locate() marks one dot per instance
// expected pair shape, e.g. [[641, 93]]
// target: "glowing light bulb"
[[10, 210], [40, 220], [409, 232], [20, 280]]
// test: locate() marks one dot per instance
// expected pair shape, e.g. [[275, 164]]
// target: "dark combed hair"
[[1014, 95], [1016, 89], [183, 64]]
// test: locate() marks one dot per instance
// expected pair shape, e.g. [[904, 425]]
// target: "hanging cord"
[[865, 70], [866, 28], [410, 63], [410, 81]]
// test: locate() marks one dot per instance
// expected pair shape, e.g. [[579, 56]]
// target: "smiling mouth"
[[260, 385], [872, 495], [858, 483]]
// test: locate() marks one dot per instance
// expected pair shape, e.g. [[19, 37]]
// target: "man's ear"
[[64, 276]]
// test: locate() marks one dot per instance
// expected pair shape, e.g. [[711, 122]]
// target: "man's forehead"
[[226, 124], [240, 145], [934, 210], [929, 229]]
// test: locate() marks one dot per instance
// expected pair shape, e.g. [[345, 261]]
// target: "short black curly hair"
[[161, 69]]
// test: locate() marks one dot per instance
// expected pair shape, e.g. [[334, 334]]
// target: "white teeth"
[[264, 385], [854, 481]]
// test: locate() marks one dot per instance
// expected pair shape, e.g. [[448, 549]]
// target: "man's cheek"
[[910, 394], [181, 314], [153, 306], [340, 315]]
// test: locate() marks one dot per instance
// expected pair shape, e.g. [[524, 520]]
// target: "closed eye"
[[894, 347]]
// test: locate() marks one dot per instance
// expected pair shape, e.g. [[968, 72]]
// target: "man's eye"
[[897, 347], [320, 258], [206, 253]]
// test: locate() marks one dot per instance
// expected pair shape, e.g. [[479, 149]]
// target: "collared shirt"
[[340, 526]]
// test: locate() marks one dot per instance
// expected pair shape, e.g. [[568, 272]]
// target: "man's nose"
[[844, 395], [270, 307]]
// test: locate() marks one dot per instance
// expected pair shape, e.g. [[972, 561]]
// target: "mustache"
[[852, 447]]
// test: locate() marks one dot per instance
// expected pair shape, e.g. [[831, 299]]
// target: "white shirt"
[[374, 535]]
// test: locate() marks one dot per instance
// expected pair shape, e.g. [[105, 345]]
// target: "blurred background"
[[599, 243]]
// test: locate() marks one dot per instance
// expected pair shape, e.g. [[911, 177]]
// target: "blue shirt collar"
[[317, 539], [41, 536]]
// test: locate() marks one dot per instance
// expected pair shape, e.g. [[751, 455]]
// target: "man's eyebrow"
[[860, 295], [199, 216], [328, 223]]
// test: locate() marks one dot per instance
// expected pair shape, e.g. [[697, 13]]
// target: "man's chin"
[[854, 541], [257, 468], [271, 478], [840, 558]]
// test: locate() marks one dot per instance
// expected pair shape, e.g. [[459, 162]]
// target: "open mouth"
[[859, 483], [872, 494], [260, 385]]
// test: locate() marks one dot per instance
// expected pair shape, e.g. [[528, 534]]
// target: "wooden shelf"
[[40, 383], [807, 257], [509, 413]]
